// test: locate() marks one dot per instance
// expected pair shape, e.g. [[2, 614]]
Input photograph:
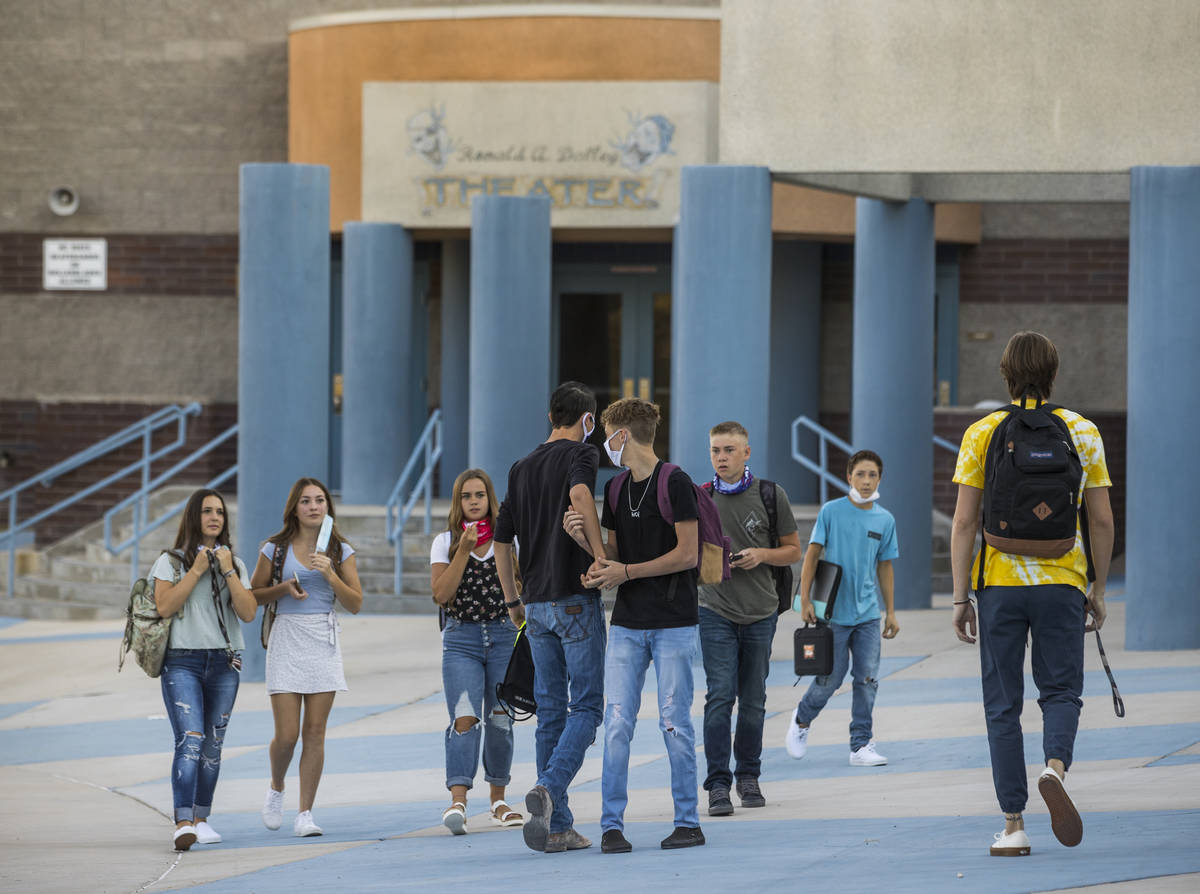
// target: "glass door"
[[613, 333]]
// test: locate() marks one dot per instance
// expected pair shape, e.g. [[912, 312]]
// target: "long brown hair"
[[291, 522], [191, 531], [454, 520]]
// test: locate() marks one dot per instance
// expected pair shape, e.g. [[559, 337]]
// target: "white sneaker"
[[867, 756], [206, 834], [796, 741], [185, 837], [305, 826], [272, 812], [1014, 844]]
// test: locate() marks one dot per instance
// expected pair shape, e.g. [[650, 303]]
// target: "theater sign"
[[606, 154]]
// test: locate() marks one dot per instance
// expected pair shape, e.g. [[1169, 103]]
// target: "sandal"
[[454, 818], [508, 819]]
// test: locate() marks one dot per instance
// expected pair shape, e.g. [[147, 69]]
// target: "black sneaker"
[[683, 836], [613, 842], [718, 801], [750, 794]]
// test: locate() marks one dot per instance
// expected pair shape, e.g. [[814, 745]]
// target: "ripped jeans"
[[475, 656], [862, 642], [673, 651], [199, 688]]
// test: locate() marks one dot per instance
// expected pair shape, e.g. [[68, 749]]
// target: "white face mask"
[[856, 497], [615, 455], [587, 430]]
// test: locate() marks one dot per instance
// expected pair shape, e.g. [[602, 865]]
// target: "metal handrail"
[[429, 447], [824, 437], [141, 527], [143, 429]]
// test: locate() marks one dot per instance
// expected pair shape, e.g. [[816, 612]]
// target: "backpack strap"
[[612, 490], [766, 493], [664, 499], [278, 557]]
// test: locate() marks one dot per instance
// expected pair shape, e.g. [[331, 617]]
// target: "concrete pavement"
[[85, 792]]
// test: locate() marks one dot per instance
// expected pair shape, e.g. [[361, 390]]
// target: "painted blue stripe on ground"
[[8, 709], [10, 622], [1175, 760], [58, 638], [912, 856]]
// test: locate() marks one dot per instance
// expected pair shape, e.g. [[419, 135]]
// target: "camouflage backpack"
[[146, 631]]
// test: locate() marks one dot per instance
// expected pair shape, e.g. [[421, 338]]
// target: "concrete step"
[[58, 610], [53, 590]]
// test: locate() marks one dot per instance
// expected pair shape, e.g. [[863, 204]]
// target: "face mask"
[[484, 526], [857, 498], [587, 430], [615, 455]]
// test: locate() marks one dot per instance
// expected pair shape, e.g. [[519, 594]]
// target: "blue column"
[[510, 331], [377, 296], [1162, 559], [795, 385], [892, 385], [455, 359], [721, 311], [283, 351]]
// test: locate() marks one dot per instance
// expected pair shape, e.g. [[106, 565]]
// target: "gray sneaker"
[[570, 840], [719, 803], [537, 827], [750, 794]]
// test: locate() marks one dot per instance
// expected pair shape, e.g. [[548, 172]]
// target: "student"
[[477, 643], [565, 620], [1044, 598], [204, 588], [654, 619], [737, 618], [304, 653], [860, 536]]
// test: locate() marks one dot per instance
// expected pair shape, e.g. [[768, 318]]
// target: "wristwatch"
[[512, 604]]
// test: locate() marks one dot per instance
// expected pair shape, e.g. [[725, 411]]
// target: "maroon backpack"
[[713, 547]]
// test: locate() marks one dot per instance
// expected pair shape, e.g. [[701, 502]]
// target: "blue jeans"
[[862, 642], [566, 638], [198, 688], [474, 658], [629, 654], [1054, 615], [737, 659]]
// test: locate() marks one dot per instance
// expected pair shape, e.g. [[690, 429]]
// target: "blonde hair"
[[639, 416]]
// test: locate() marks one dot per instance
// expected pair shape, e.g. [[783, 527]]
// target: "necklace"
[[636, 510]]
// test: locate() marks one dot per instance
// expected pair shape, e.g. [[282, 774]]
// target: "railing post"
[[399, 581], [428, 474], [135, 551], [12, 545], [823, 460]]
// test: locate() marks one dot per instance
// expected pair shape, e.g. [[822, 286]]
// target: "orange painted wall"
[[328, 66]]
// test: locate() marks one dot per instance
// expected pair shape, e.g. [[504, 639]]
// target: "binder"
[[824, 590]]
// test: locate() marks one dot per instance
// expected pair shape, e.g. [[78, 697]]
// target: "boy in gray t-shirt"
[[737, 619]]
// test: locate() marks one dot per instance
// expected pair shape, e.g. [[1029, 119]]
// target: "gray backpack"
[[146, 631]]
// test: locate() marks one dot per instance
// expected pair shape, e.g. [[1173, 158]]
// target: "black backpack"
[[784, 582], [515, 692], [1032, 474]]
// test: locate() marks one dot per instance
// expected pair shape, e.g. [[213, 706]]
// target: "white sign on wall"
[[607, 154], [75, 264]]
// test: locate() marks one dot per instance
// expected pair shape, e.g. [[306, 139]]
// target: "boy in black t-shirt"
[[565, 622], [655, 617]]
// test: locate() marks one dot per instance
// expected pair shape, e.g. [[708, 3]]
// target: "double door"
[[612, 328]]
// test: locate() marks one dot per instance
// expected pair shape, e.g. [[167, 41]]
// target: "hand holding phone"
[[299, 590]]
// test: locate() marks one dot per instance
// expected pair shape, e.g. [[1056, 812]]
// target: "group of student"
[[645, 545], [202, 587], [540, 559]]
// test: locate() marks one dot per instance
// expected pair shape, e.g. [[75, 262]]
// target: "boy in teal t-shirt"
[[860, 536]]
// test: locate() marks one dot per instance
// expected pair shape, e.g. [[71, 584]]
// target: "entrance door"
[[613, 332]]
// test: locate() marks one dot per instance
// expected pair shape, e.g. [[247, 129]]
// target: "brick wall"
[[1088, 271], [138, 264], [35, 436], [950, 424]]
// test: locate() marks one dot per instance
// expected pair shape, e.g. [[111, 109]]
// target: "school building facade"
[[326, 219]]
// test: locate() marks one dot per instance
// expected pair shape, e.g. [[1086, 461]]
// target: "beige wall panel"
[[960, 85], [815, 213], [1091, 342], [104, 347], [328, 66]]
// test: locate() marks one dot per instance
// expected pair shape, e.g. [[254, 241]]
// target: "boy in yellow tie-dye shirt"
[[1045, 599]]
